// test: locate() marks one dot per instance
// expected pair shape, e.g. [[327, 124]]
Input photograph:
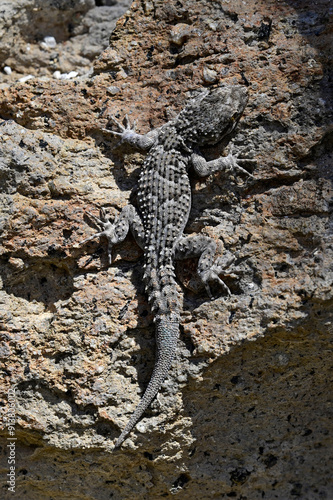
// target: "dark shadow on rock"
[[41, 280]]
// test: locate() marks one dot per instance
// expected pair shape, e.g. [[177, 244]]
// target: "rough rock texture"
[[80, 29], [246, 410]]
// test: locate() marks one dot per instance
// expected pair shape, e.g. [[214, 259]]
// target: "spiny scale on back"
[[164, 202]]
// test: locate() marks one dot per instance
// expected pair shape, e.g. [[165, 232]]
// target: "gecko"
[[163, 208]]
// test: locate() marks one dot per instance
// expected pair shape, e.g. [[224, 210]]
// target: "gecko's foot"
[[234, 160], [212, 274], [124, 132], [106, 228]]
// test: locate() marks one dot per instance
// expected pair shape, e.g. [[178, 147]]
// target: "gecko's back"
[[164, 200]]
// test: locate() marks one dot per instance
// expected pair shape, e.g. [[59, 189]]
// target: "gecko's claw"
[[123, 132], [112, 132], [128, 124], [96, 235], [234, 161], [107, 229], [98, 221], [117, 123], [241, 169], [212, 274]]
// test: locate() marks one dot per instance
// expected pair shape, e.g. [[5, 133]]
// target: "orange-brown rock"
[[245, 412]]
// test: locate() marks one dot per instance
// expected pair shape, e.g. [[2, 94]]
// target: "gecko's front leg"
[[128, 134], [228, 163]]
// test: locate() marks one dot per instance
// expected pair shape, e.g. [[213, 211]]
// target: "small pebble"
[[179, 33], [64, 76], [50, 41], [209, 75], [72, 74], [25, 78], [7, 70], [113, 90]]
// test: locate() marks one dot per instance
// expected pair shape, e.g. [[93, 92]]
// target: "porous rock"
[[245, 412]]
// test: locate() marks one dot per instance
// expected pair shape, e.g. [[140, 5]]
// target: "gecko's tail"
[[167, 332]]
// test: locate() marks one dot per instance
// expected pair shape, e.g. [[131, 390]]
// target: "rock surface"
[[246, 410]]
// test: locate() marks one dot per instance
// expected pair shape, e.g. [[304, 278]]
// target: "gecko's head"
[[214, 114]]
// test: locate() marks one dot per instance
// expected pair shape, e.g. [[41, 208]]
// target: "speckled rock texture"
[[246, 411]]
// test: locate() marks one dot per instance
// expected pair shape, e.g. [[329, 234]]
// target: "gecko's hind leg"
[[116, 231], [209, 268]]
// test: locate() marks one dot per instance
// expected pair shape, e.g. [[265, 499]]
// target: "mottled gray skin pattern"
[[164, 202]]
